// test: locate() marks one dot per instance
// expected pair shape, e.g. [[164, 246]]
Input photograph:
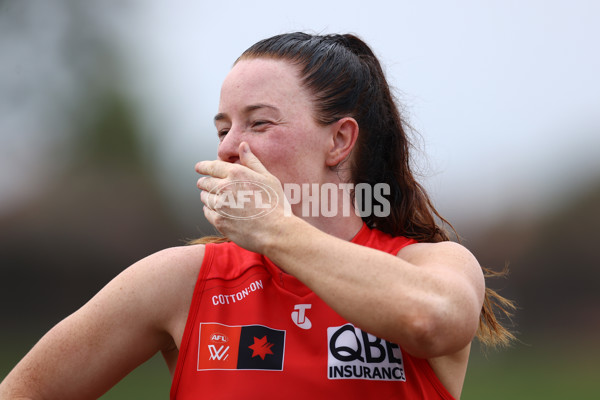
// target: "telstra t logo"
[[299, 316]]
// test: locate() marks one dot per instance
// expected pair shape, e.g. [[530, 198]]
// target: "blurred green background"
[[90, 181]]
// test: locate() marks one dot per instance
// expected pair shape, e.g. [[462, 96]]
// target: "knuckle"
[[219, 222], [236, 173]]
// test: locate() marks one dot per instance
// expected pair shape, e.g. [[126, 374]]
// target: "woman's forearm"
[[413, 305]]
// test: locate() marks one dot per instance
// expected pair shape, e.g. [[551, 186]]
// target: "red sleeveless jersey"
[[254, 331]]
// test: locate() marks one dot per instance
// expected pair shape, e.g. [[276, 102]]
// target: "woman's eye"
[[222, 133], [258, 124]]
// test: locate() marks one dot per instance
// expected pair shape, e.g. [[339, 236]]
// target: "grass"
[[149, 381], [546, 372]]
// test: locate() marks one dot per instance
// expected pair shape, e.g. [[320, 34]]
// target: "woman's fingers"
[[223, 169], [209, 184], [248, 159], [215, 168]]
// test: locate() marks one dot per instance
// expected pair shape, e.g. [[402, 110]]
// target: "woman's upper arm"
[[118, 329], [447, 259], [457, 296]]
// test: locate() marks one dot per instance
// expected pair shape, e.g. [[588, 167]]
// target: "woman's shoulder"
[[445, 249], [173, 258], [169, 267], [177, 268], [167, 275], [157, 289]]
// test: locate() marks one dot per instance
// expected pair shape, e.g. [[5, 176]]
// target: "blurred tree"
[[104, 210]]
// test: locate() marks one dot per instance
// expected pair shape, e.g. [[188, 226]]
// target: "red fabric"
[[254, 331]]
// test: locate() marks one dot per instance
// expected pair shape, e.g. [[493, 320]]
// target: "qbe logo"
[[354, 354]]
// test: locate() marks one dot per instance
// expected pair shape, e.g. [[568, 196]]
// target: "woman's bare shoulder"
[[156, 290], [165, 283], [168, 273], [175, 262]]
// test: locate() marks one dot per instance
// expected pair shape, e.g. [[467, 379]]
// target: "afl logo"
[[243, 200], [219, 338]]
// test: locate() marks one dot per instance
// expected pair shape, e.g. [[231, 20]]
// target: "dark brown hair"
[[345, 79]]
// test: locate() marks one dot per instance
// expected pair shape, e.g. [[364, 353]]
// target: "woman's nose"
[[229, 147]]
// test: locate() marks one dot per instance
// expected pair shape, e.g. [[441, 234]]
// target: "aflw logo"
[[245, 347], [218, 354]]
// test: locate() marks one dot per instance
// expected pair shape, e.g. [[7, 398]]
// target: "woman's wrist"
[[283, 235]]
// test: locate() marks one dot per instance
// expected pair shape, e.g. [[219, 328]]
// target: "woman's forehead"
[[262, 80]]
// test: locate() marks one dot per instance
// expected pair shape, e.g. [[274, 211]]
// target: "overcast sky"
[[505, 94]]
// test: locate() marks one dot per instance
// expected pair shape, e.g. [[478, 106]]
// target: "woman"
[[375, 302]]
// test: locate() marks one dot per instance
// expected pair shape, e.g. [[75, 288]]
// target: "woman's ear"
[[344, 135]]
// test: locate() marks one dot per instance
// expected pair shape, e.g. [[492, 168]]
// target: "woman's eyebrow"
[[220, 117], [259, 106]]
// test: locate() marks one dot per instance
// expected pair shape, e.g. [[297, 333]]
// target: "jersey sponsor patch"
[[354, 354], [247, 347]]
